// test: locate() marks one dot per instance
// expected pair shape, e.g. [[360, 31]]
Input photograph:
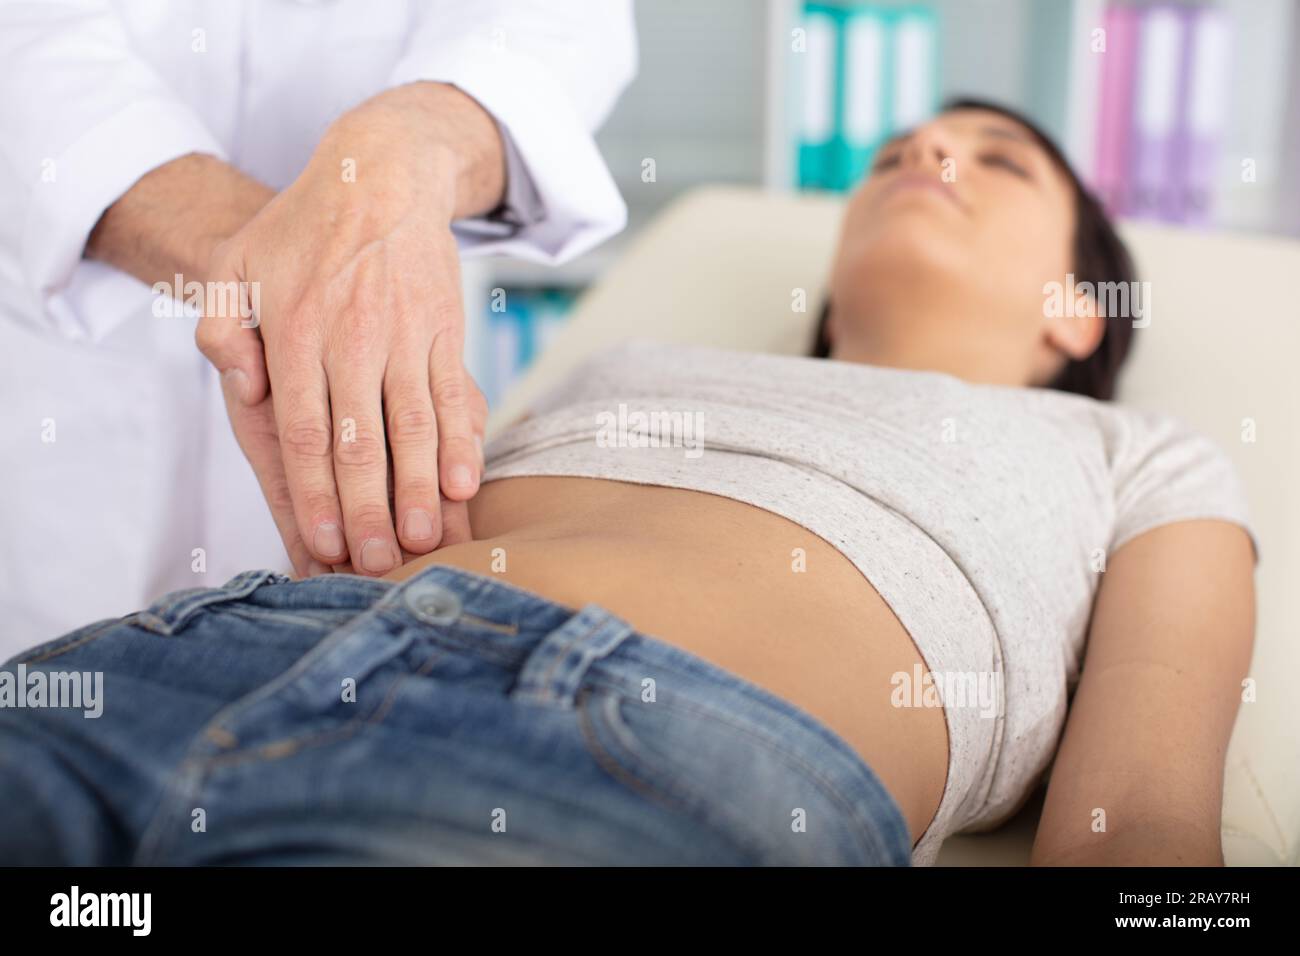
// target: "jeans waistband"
[[553, 646], [556, 649], [549, 654]]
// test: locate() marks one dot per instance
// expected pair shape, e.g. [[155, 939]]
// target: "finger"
[[455, 523], [458, 456], [255, 431], [307, 451], [361, 464], [227, 336], [478, 414], [413, 437]]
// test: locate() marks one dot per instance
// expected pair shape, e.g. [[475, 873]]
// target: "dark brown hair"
[[1099, 256]]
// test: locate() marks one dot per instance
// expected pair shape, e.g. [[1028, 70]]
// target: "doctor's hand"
[[346, 345]]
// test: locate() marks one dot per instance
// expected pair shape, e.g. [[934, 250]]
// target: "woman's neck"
[[951, 356]]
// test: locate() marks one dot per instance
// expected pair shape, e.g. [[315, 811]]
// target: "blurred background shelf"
[[724, 90]]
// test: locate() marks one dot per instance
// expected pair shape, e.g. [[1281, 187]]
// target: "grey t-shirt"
[[982, 514]]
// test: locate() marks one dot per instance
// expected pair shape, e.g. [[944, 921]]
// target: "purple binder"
[[1204, 113], [1115, 108], [1153, 145]]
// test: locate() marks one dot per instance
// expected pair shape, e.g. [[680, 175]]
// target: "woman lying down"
[[866, 607]]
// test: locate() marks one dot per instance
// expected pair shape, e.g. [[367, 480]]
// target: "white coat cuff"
[[88, 177], [560, 198]]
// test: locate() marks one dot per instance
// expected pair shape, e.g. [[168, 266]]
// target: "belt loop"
[[555, 669], [173, 611]]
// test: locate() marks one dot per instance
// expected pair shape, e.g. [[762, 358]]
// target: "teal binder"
[[901, 40]]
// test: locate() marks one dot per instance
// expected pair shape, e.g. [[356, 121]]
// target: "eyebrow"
[[997, 132], [1003, 132]]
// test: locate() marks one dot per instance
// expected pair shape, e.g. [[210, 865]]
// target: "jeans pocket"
[[780, 794], [627, 754], [670, 755]]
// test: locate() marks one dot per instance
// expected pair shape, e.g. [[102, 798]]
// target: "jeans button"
[[432, 603]]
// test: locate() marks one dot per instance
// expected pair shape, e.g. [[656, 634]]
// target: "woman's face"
[[946, 246]]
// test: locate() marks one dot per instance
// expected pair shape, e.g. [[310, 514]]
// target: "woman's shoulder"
[[1166, 469], [1148, 437]]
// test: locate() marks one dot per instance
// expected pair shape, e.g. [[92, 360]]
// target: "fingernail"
[[461, 477], [376, 556], [418, 525], [329, 540], [237, 380]]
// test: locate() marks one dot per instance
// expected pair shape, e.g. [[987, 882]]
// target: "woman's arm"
[[1138, 779]]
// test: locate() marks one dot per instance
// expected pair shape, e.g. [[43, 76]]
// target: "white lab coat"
[[119, 477]]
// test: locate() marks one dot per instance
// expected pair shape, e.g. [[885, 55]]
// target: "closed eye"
[[884, 162], [998, 161]]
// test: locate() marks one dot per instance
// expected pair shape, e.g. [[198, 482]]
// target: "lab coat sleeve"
[[549, 72], [83, 119]]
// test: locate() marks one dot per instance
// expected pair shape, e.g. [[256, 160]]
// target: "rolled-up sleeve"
[[83, 119], [549, 72]]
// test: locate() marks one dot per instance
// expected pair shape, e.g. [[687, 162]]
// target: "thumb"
[[227, 336]]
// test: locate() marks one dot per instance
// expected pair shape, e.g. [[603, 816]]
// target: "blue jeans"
[[448, 719]]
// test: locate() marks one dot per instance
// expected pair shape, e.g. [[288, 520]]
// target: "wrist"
[[429, 141], [368, 163]]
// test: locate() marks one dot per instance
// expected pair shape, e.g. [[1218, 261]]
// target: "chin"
[[908, 255]]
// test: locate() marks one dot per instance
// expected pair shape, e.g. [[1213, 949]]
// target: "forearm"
[[1143, 755], [436, 138], [170, 221], [1125, 803], [1152, 840]]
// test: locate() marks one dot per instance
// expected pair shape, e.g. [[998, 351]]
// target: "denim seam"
[[265, 691], [94, 635], [287, 746], [510, 629], [187, 780], [202, 767], [446, 637], [257, 613]]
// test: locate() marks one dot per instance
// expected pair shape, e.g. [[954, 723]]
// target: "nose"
[[928, 146]]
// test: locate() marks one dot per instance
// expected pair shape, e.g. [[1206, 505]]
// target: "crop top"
[[982, 514]]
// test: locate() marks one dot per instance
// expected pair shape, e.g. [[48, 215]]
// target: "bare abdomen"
[[735, 585]]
